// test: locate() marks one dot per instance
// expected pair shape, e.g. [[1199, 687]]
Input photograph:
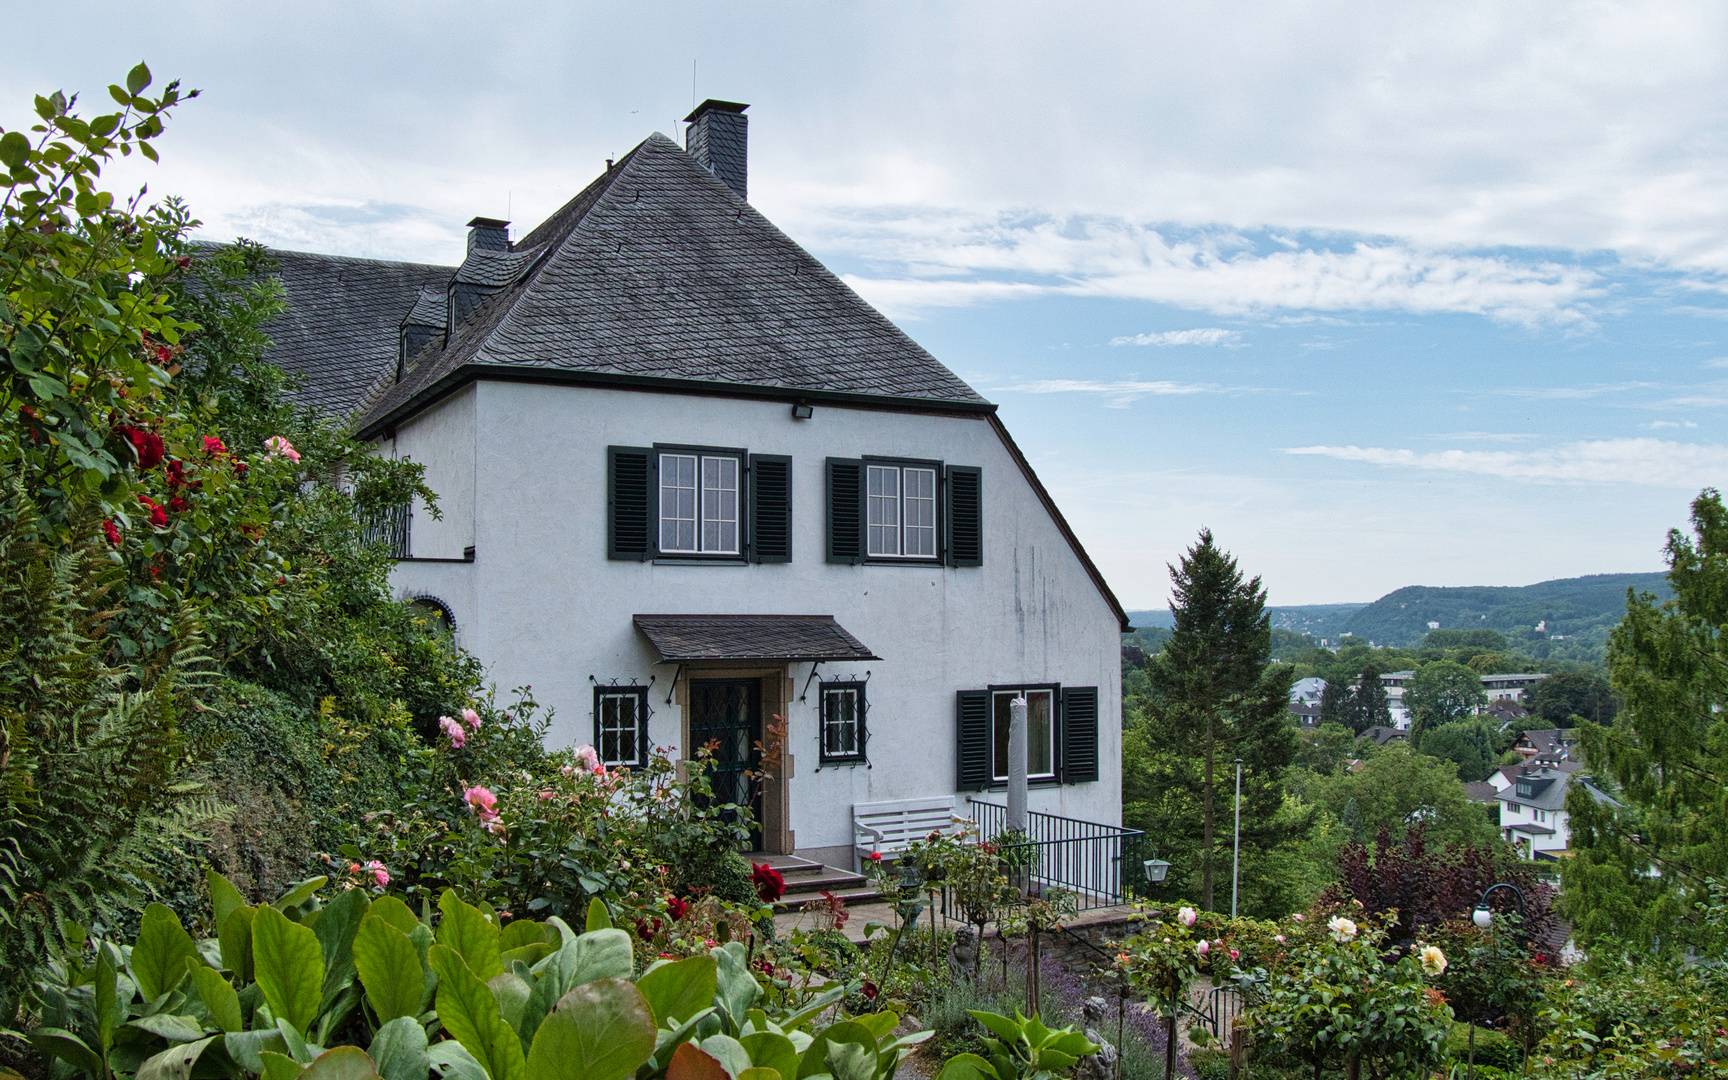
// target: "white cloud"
[[1571, 393], [1211, 337], [1656, 425], [1648, 462], [963, 257], [1720, 361], [1120, 394]]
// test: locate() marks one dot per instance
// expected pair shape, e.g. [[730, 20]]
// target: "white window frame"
[[710, 517], [605, 726], [897, 521], [999, 699]]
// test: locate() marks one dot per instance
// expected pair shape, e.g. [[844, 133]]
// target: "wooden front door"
[[727, 713]]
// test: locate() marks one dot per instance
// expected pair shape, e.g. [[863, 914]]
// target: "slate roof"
[[686, 638], [1481, 791], [658, 271], [340, 333]]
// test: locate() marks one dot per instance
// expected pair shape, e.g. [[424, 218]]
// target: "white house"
[[1532, 795], [690, 482]]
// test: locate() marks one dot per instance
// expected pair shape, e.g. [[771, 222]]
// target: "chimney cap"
[[487, 223], [715, 105]]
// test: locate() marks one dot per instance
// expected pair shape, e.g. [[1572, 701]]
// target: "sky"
[[1383, 294]]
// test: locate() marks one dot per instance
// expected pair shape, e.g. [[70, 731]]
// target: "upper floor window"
[[699, 504], [902, 511]]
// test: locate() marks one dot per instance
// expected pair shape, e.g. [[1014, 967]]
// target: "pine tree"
[[1372, 708], [1218, 696], [1336, 706]]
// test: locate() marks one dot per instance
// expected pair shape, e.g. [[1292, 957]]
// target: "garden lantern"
[[1155, 869], [1482, 916]]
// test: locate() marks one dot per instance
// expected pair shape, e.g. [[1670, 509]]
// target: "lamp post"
[[1236, 853], [1483, 917]]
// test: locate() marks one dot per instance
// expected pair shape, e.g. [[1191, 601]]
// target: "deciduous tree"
[[1440, 693]]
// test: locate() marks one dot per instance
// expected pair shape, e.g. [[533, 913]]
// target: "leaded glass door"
[[728, 714]]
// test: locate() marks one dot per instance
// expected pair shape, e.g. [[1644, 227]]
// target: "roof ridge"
[[554, 226]]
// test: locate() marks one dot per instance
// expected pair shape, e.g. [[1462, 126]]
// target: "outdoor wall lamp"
[[803, 410]]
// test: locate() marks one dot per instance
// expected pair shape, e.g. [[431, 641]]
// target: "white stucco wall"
[[542, 604], [442, 439]]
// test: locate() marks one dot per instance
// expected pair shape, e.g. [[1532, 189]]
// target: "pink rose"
[[280, 447], [1234, 955], [1279, 938], [471, 718], [483, 802], [1298, 918], [1203, 947], [458, 737], [379, 874], [547, 794], [589, 758]]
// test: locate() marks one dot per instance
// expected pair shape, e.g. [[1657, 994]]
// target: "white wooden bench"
[[887, 828]]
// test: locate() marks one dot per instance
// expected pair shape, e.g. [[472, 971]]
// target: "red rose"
[[875, 856], [113, 532], [178, 504], [158, 516], [676, 908], [869, 990], [164, 355], [770, 885], [213, 446], [146, 444], [240, 468]]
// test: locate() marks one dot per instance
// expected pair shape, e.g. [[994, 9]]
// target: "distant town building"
[[1307, 691], [1531, 796], [1510, 687]]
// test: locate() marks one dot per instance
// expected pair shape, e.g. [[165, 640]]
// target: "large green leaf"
[[235, 937], [160, 954], [849, 1061], [815, 1058], [225, 899], [520, 932], [598, 917], [289, 966], [389, 969], [399, 1050], [172, 1027], [470, 1014], [759, 1072], [512, 993], [335, 929], [679, 990], [454, 1062], [280, 1066], [774, 1051], [393, 911], [300, 900], [174, 1063], [737, 987], [58, 1043], [728, 1052], [109, 1009], [220, 998], [967, 1067], [601, 1030], [598, 954], [473, 937], [245, 1047], [342, 1063]]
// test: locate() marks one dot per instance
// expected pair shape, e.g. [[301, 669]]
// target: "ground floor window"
[[1040, 732], [844, 734], [621, 725]]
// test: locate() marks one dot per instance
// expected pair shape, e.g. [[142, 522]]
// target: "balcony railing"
[[1099, 864], [389, 527]]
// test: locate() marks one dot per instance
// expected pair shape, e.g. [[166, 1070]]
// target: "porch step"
[[806, 880]]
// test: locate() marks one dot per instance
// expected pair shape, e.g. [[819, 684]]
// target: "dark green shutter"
[[630, 519], [972, 723], [770, 508], [1079, 734], [845, 511], [965, 530]]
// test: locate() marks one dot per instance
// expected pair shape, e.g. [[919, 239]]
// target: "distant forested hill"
[[1575, 614]]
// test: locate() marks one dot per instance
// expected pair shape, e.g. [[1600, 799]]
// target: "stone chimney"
[[488, 234], [719, 139]]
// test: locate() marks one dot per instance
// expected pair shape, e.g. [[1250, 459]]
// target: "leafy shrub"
[[525, 1001], [1209, 1064]]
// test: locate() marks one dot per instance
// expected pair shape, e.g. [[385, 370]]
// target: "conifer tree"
[[1219, 697], [1371, 706], [1336, 706]]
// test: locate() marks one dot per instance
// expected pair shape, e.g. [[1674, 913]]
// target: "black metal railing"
[[389, 527], [1098, 864]]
